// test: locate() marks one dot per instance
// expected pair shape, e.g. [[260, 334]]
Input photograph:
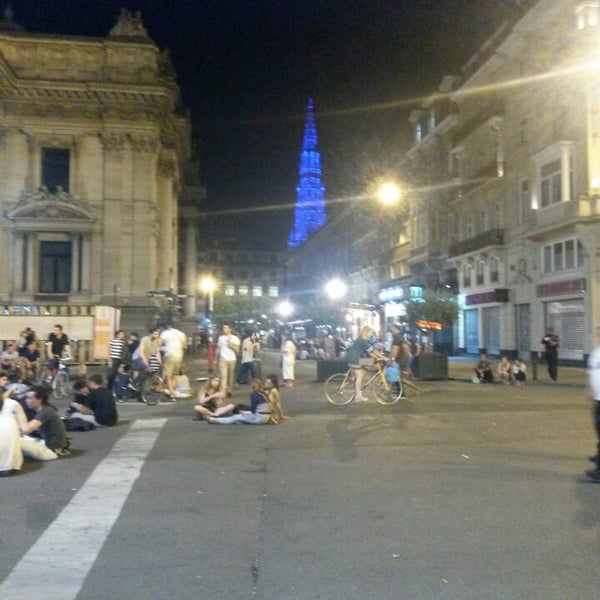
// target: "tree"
[[440, 307]]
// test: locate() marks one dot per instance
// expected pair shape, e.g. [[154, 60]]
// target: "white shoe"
[[360, 398]]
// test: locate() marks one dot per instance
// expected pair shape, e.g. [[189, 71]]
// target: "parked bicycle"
[[339, 388], [150, 387], [59, 379]]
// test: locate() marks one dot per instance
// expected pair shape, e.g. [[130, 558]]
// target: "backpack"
[[77, 424]]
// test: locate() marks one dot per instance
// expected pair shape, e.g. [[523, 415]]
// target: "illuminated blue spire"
[[309, 215]]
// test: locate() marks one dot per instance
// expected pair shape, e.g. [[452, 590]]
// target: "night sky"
[[247, 68]]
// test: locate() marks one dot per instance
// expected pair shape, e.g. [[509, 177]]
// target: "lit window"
[[230, 290], [273, 291], [243, 290], [257, 291]]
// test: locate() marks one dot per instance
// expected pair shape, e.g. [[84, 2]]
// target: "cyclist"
[[362, 347], [57, 346]]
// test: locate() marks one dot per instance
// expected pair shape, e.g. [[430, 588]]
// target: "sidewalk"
[[463, 369]]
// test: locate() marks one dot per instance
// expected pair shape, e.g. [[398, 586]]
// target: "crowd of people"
[[509, 372]]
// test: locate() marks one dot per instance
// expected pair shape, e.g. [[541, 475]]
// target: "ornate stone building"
[[93, 140]]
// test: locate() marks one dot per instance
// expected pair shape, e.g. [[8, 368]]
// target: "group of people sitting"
[[264, 404], [509, 372], [30, 426]]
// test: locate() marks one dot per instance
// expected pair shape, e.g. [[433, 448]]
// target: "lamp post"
[[208, 285]]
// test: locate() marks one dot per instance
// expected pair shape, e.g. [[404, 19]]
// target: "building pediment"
[[44, 205]]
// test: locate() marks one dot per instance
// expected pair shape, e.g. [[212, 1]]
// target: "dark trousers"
[[596, 415], [552, 360], [245, 368]]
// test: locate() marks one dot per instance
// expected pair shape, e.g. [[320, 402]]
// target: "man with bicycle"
[[362, 347], [57, 346]]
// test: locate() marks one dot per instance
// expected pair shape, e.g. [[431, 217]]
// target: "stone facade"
[[92, 142], [510, 152]]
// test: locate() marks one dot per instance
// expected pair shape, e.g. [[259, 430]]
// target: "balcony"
[[563, 214], [491, 237]]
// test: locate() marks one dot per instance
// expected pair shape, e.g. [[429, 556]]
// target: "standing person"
[[362, 347], [100, 407], [117, 348], [174, 345], [551, 343], [288, 361], [49, 424], [57, 345], [228, 346], [415, 355], [250, 345], [400, 352], [594, 396]]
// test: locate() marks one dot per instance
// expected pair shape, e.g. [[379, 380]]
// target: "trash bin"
[[326, 368], [433, 365]]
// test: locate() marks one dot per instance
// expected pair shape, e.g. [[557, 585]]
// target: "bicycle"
[[60, 380], [151, 387], [339, 388]]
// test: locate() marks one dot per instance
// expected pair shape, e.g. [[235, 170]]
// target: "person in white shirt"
[[250, 345], [288, 361], [174, 344], [228, 346]]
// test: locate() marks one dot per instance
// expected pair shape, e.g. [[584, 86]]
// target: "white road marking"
[[58, 563]]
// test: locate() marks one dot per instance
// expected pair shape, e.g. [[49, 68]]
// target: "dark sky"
[[247, 68]]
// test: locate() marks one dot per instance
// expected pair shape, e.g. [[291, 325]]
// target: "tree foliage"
[[434, 306]]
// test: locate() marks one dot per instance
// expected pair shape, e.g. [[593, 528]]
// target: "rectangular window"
[[494, 270], [273, 291], [524, 200], [257, 291], [479, 273], [55, 169], [230, 290], [55, 267], [467, 276], [550, 183], [243, 290], [559, 256]]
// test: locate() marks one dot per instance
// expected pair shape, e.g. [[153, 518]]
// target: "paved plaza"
[[463, 492]]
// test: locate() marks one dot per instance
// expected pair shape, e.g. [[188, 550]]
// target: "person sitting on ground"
[[519, 371], [30, 362], [362, 347], [183, 389], [503, 370], [211, 399], [49, 424], [274, 399], [81, 393], [9, 359], [483, 370], [100, 408], [12, 422], [259, 413]]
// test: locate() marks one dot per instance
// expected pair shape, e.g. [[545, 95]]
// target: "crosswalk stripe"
[[58, 563]]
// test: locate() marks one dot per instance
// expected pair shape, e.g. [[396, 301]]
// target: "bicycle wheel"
[[61, 386], [151, 389], [387, 395], [339, 389]]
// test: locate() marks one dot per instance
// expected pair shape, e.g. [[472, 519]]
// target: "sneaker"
[[62, 452], [360, 398]]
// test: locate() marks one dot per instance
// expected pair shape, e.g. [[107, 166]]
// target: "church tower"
[[309, 215]]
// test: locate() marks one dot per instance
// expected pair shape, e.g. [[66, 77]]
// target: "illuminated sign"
[[434, 325], [396, 293]]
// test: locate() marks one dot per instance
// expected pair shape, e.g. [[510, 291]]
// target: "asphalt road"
[[469, 492]]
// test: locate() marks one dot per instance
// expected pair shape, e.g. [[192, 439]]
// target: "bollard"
[[534, 364]]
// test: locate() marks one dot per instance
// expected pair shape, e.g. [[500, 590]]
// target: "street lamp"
[[285, 308], [336, 288], [208, 285], [388, 193]]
